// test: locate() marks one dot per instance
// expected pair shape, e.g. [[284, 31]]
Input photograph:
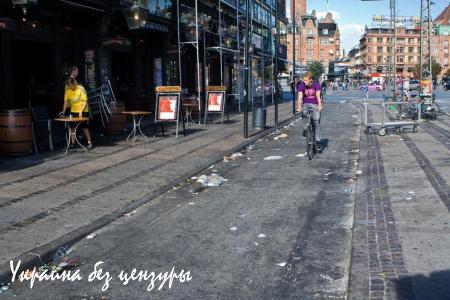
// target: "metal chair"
[[41, 122]]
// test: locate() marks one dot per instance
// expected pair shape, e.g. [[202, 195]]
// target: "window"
[[379, 40], [401, 41], [309, 41], [410, 59], [436, 50], [400, 58], [309, 32], [325, 31], [322, 52], [369, 49], [410, 49], [411, 40], [369, 40], [400, 49], [379, 59], [309, 52], [379, 49]]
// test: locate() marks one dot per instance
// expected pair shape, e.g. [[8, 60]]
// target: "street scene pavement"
[[366, 218]]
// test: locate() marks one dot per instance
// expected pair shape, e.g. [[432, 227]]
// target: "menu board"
[[215, 101], [167, 107]]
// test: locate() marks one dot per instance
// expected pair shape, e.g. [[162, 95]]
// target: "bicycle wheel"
[[310, 142]]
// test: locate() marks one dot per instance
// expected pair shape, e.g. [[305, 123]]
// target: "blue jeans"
[[316, 118]]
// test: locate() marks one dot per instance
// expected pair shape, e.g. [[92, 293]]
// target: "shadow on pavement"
[[435, 286]]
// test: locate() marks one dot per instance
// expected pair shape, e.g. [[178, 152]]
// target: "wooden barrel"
[[117, 120], [16, 135]]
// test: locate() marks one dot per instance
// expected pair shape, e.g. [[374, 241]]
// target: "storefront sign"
[[167, 107], [215, 101], [156, 26], [116, 42]]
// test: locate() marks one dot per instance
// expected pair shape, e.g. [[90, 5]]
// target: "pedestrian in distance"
[[75, 97], [324, 87], [309, 95]]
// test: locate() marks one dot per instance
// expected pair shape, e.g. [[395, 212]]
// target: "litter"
[[233, 228], [211, 167], [348, 191], [300, 155], [130, 213], [62, 251], [327, 174], [248, 158], [91, 236], [273, 157], [261, 235], [408, 198], [281, 136], [251, 147], [359, 172], [194, 177], [212, 180], [236, 155], [281, 264], [3, 288], [256, 244], [411, 192], [191, 203]]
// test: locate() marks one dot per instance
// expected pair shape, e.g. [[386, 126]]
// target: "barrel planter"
[[117, 120], [16, 134]]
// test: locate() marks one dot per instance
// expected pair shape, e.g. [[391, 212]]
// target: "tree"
[[316, 69], [436, 68]]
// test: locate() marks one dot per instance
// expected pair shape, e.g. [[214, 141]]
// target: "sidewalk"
[[401, 244], [61, 199]]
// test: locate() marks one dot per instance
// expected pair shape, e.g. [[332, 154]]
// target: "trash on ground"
[[232, 157], [408, 198], [281, 136], [273, 157], [211, 180], [211, 167], [359, 172], [261, 235], [256, 244], [411, 192], [281, 264], [300, 155], [62, 251], [3, 288], [348, 191], [248, 158], [233, 228], [350, 180], [251, 147], [194, 177], [327, 174], [191, 203], [91, 236], [130, 213]]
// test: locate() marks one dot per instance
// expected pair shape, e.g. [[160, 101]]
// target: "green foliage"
[[316, 69]]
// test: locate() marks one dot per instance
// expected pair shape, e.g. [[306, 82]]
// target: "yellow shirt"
[[76, 99]]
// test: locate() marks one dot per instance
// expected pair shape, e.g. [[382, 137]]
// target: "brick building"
[[316, 39], [441, 39]]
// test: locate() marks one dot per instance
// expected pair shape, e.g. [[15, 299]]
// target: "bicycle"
[[311, 146]]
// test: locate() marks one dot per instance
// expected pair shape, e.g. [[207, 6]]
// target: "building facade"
[[316, 39], [441, 39], [134, 45]]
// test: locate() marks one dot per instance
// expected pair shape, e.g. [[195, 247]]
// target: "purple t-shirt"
[[309, 92]]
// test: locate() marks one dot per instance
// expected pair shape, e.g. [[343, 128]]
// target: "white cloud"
[[350, 35], [336, 14]]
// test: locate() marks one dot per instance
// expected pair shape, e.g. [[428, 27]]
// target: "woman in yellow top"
[[75, 97]]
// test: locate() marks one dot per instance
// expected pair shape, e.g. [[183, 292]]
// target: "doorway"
[[123, 76], [33, 74]]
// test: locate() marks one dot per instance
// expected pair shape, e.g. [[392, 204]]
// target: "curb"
[[42, 254]]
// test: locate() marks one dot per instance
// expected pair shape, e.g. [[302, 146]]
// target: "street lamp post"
[[293, 56], [247, 67]]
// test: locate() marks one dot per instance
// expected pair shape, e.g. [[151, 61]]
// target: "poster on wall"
[[215, 101], [426, 87], [89, 69], [167, 107], [157, 71]]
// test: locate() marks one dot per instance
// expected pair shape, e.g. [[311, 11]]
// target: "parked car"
[[414, 85], [373, 87]]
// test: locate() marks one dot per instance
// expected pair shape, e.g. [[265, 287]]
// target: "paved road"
[[300, 207]]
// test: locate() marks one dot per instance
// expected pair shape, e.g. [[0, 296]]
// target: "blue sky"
[[352, 15]]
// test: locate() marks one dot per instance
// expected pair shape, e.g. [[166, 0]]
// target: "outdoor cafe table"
[[70, 122], [136, 125], [188, 103]]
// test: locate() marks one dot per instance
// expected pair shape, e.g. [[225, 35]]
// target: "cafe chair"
[[41, 125]]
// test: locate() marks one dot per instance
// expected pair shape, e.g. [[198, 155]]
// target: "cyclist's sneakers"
[[304, 134]]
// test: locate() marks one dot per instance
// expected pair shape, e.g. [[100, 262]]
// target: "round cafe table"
[[136, 125], [70, 122], [187, 107]]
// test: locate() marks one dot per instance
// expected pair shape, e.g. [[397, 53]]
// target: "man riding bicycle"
[[309, 97]]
